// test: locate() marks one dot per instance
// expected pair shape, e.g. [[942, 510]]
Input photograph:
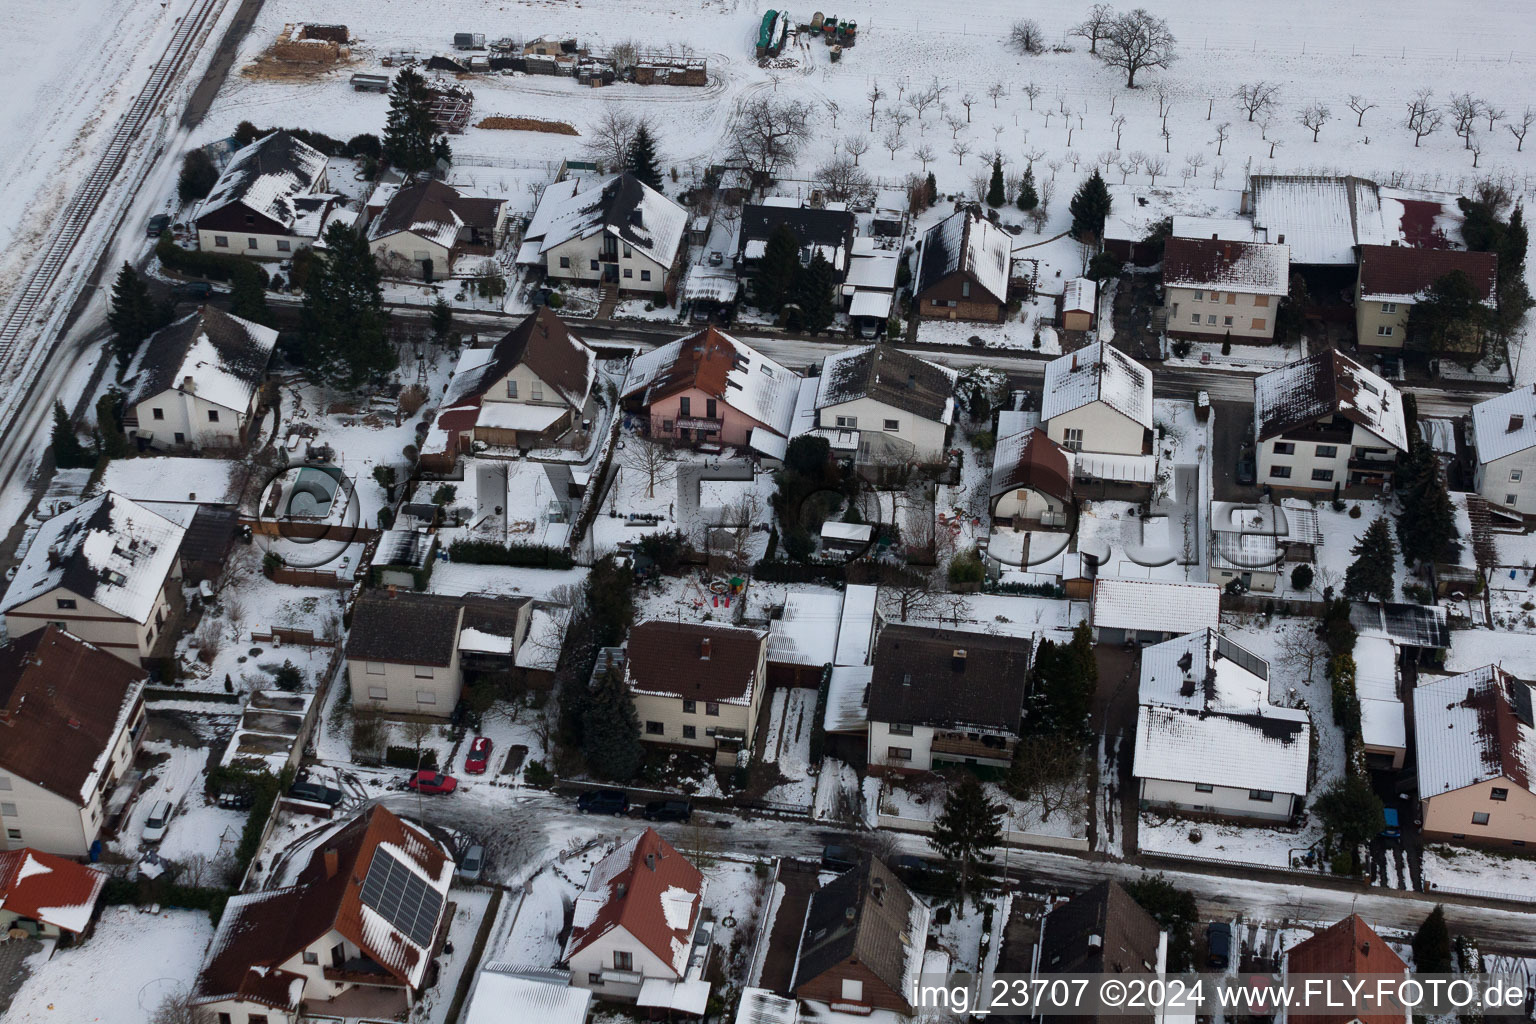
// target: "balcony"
[[361, 971], [955, 744]]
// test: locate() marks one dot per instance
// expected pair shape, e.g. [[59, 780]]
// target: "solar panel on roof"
[[1522, 700], [402, 897], [1253, 664]]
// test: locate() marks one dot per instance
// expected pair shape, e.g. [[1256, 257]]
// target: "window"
[[1231, 298], [1384, 330], [1260, 324], [690, 707], [157, 414], [213, 415], [685, 406], [893, 425], [851, 422], [1204, 787], [13, 833], [628, 252], [180, 437], [690, 732], [1284, 448], [623, 961], [710, 407], [594, 978], [1280, 472], [66, 602], [5, 783], [594, 264], [537, 389], [1199, 295], [628, 272], [965, 289], [224, 1019], [565, 263], [1072, 438], [1215, 296], [422, 671], [1327, 451], [311, 957], [1261, 300], [1226, 321], [8, 810], [1496, 793], [1514, 476], [222, 241], [853, 990], [1479, 817], [897, 729], [283, 245], [250, 243], [255, 1018], [1322, 476], [378, 693], [655, 729], [1509, 499], [898, 753], [1261, 795], [1389, 307], [511, 389], [1194, 318], [711, 708], [374, 668], [1210, 319], [426, 696], [645, 275]]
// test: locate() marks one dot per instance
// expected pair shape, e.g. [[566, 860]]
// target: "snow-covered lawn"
[[788, 745], [1480, 872], [921, 801], [196, 828]]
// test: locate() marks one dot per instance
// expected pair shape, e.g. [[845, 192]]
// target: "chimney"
[[332, 862], [1095, 942], [1074, 362], [877, 889], [957, 659], [1280, 240], [188, 384], [650, 861], [704, 649], [1226, 251], [1516, 422], [55, 556], [849, 914]]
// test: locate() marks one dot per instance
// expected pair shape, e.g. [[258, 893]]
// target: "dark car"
[[923, 875], [314, 792], [479, 754], [156, 225], [193, 291], [668, 810], [1218, 945], [426, 781], [1247, 473], [603, 801], [838, 857]]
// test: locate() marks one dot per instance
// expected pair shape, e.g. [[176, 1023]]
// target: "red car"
[[432, 782], [479, 754]]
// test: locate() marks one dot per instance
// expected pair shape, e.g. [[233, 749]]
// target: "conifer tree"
[[1089, 206], [1029, 197], [966, 831], [248, 295], [1370, 576], [343, 319], [1432, 944], [777, 270], [132, 315], [933, 189], [1426, 527], [411, 140], [68, 452], [641, 158], [610, 730], [442, 320], [813, 293], [997, 194]]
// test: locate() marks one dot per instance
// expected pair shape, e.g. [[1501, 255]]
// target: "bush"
[[486, 552], [555, 300], [288, 677], [1052, 590], [799, 572], [1301, 577], [535, 774], [198, 176], [984, 440], [966, 567], [445, 494], [212, 265], [405, 757], [1354, 512]]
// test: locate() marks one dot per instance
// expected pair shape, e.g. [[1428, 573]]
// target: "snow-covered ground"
[[788, 745], [1479, 872], [922, 800]]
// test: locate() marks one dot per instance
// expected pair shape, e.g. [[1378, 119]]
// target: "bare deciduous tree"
[[1031, 155], [1519, 128], [1126, 168], [179, 1007], [960, 147], [842, 178], [1024, 36], [1313, 116], [874, 95], [1424, 118], [1218, 169], [899, 119], [856, 146], [1359, 105], [1107, 158], [610, 136], [967, 100], [1223, 132], [1193, 162], [891, 140], [1257, 97], [1049, 770], [1301, 650], [1493, 114], [1031, 90], [767, 133], [926, 154], [956, 124], [995, 92], [1155, 166], [1135, 41], [980, 181], [1118, 123], [655, 459], [920, 100], [1465, 110], [1475, 146], [1273, 143], [1094, 26]]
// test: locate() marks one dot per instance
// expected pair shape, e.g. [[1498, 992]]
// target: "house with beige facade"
[[1096, 405], [616, 233], [697, 685], [1394, 277], [901, 407], [1214, 288], [1476, 743], [197, 383], [72, 716], [107, 571], [270, 201], [354, 935], [425, 226], [1326, 422], [1503, 442]]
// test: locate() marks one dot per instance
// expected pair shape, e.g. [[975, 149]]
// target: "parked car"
[[668, 810], [471, 864], [1218, 945], [479, 754], [156, 225], [923, 875], [838, 857], [1393, 824], [1247, 472], [603, 801], [155, 824], [426, 781], [315, 793], [194, 291]]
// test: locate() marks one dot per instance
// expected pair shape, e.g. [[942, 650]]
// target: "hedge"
[[128, 892], [1055, 590], [800, 572], [487, 552], [818, 731], [216, 265], [405, 757], [264, 788]]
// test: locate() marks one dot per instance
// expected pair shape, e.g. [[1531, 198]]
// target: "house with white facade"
[[425, 226], [1214, 289], [107, 571], [1031, 482], [617, 233], [72, 717], [197, 383], [270, 201], [1096, 404], [354, 935], [1151, 611], [1208, 740], [697, 685], [635, 934], [1503, 441], [1326, 422], [940, 697], [45, 895], [902, 407]]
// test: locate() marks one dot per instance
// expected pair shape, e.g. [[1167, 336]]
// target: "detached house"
[[106, 571], [198, 382], [1101, 931], [636, 935], [1213, 288], [963, 270], [697, 685], [1476, 743], [270, 201], [426, 225], [620, 234], [1031, 482], [72, 716], [863, 942], [826, 232], [354, 935], [1325, 422], [902, 407], [1099, 400], [1394, 277], [47, 896], [1203, 695], [1349, 947], [941, 696], [1504, 449]]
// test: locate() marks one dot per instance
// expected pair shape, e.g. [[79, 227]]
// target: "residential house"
[[47, 896], [354, 935], [1217, 289], [619, 234], [198, 381], [963, 269], [1096, 404], [270, 201], [1395, 277], [532, 389], [1031, 482], [636, 924], [427, 225], [1079, 304], [698, 685], [1326, 422], [819, 230], [1202, 692], [1476, 746], [1248, 544], [711, 388], [73, 716], [1100, 931], [1151, 611], [1350, 947], [863, 941], [940, 696], [1503, 441], [869, 290], [106, 571], [505, 991], [901, 406]]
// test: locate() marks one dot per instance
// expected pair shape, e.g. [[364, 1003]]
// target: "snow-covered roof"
[[203, 481], [1321, 218], [507, 992], [108, 550], [518, 416], [1097, 373], [1382, 722], [719, 365], [48, 888], [1136, 210], [1471, 728], [890, 376], [651, 891], [1080, 296], [855, 631], [877, 270], [1324, 385], [966, 242], [1253, 268], [218, 357], [806, 633], [1155, 605], [540, 649], [267, 177], [436, 212], [1505, 425], [1230, 229], [689, 997], [848, 698], [623, 206], [871, 303]]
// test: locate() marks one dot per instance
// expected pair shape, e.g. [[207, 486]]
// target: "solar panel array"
[[402, 897]]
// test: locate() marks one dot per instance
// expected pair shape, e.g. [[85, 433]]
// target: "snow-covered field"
[[1479, 872]]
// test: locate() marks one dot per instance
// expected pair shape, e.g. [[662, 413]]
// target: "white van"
[[159, 818]]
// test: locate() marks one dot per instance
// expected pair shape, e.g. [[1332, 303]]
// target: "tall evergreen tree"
[[1426, 527], [442, 320], [1432, 944], [343, 320], [411, 140], [198, 176], [1029, 196], [966, 831], [132, 315], [68, 452], [248, 295], [1371, 573], [1062, 682], [109, 425], [610, 730], [641, 158], [933, 189], [1089, 206], [813, 293], [777, 270], [997, 194]]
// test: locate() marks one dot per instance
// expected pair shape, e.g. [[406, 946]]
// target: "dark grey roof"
[[267, 177], [404, 628], [944, 677], [1100, 931], [812, 227], [240, 353], [209, 534], [889, 375], [543, 343], [1415, 625], [878, 932]]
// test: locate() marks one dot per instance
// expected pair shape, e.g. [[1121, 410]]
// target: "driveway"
[[1134, 301], [1234, 426]]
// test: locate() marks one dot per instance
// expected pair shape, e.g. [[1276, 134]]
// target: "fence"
[[311, 577], [1010, 836], [1483, 894], [1207, 858], [288, 635]]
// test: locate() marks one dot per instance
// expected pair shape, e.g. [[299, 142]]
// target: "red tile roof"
[[1249, 267], [1349, 947], [47, 888], [1034, 461], [1398, 270], [695, 660], [704, 361], [651, 891]]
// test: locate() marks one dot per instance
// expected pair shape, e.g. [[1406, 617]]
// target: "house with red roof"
[[1214, 289], [46, 896], [354, 935], [636, 935], [1349, 947], [1395, 277]]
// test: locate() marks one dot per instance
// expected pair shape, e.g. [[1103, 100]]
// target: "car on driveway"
[[1247, 472], [314, 792], [156, 225], [155, 824], [838, 857], [479, 754], [603, 801], [1392, 824], [1218, 945], [668, 810], [192, 291], [471, 864], [432, 782]]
